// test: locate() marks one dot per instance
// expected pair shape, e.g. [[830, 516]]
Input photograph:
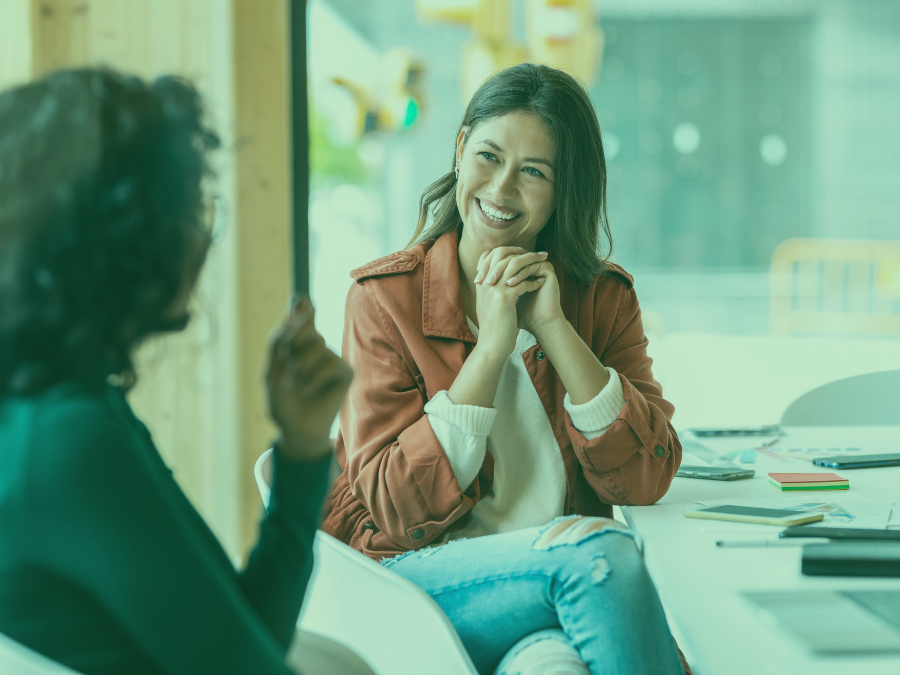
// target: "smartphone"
[[857, 461], [715, 472], [751, 514]]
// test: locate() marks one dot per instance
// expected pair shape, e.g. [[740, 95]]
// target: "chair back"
[[872, 399], [262, 471], [386, 619], [389, 621], [832, 286], [17, 659]]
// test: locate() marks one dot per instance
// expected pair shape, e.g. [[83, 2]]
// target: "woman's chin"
[[487, 238]]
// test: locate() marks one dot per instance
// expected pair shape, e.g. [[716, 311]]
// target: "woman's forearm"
[[476, 383], [580, 370]]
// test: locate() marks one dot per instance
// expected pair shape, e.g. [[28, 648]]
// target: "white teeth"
[[494, 214]]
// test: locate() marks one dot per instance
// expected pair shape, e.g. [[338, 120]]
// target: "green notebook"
[[808, 481]]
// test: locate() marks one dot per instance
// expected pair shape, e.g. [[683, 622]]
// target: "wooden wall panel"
[[16, 43], [263, 181]]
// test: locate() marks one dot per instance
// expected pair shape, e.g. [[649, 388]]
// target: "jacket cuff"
[[462, 431], [591, 419]]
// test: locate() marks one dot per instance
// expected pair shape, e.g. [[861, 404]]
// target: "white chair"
[[17, 659], [872, 399], [390, 622]]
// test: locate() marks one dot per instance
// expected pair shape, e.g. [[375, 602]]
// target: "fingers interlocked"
[[508, 265]]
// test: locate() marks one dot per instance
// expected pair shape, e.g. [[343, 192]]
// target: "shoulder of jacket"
[[400, 262], [617, 273]]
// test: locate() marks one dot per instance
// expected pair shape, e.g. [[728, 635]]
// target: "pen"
[[759, 543]]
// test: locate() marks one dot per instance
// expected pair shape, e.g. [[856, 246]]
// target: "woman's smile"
[[493, 216]]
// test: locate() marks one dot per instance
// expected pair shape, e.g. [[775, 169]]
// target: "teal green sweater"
[[106, 567]]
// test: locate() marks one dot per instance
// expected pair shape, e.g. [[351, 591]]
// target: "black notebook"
[[848, 533], [852, 559]]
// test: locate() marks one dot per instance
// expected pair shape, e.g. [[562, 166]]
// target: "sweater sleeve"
[[109, 517], [593, 418], [462, 431]]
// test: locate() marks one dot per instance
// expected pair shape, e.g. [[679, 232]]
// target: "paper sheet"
[[840, 510], [894, 522]]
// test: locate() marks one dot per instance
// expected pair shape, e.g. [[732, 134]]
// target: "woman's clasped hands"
[[514, 288]]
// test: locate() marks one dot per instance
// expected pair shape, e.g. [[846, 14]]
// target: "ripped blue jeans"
[[583, 575]]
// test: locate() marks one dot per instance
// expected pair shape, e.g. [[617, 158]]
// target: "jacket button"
[[540, 356], [659, 451], [369, 526], [418, 533]]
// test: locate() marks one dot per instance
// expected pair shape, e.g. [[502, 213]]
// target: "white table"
[[700, 583]]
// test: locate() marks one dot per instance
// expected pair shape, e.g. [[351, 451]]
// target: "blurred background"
[[753, 156], [753, 162]]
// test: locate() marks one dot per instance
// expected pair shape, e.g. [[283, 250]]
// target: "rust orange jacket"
[[406, 338]]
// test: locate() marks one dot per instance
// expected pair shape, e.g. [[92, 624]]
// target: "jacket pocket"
[[376, 545]]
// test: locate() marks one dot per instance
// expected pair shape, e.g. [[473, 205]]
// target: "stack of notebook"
[[808, 481]]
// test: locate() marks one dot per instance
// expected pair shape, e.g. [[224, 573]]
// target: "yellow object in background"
[[565, 34], [835, 286], [887, 278], [393, 102], [561, 33]]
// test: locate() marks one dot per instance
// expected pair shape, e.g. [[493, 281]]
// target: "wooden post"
[[16, 42], [263, 179]]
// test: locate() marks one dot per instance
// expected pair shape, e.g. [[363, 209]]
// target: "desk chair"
[[17, 659], [389, 621], [871, 399]]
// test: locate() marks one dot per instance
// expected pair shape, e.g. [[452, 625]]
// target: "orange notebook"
[[808, 481]]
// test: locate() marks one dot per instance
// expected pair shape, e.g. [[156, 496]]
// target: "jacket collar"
[[443, 314]]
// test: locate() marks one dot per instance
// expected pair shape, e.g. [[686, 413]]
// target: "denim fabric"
[[547, 651], [585, 577]]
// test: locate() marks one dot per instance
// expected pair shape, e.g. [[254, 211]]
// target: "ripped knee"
[[572, 531], [599, 569]]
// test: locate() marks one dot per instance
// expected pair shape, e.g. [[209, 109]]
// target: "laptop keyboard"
[[885, 604]]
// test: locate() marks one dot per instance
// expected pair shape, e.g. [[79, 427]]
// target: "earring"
[[456, 170]]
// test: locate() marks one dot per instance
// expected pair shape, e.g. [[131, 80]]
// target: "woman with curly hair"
[[104, 565], [504, 399]]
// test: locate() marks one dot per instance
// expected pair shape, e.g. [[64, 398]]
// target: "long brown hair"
[[572, 234]]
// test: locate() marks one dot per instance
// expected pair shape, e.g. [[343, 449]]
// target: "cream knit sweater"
[[529, 485]]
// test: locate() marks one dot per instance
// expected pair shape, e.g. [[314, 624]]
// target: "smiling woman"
[[504, 184], [551, 137], [504, 398]]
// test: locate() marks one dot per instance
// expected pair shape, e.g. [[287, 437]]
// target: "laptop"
[[831, 622]]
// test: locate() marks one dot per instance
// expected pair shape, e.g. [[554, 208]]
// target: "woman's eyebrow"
[[533, 160]]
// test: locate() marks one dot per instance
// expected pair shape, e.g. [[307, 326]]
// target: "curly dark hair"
[[101, 221]]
